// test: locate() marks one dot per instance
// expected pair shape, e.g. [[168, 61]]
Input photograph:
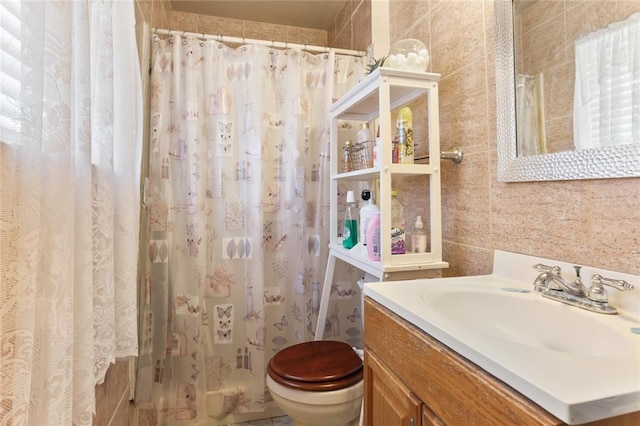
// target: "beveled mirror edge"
[[596, 163]]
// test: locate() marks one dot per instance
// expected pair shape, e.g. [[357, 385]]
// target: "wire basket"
[[359, 156], [352, 158], [366, 154]]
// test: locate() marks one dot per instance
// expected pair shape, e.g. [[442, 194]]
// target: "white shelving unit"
[[382, 91]]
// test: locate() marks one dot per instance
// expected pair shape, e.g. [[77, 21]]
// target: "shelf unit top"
[[362, 102]]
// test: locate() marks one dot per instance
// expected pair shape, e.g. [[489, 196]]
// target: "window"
[[10, 72]]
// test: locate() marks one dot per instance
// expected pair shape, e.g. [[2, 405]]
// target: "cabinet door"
[[387, 401]]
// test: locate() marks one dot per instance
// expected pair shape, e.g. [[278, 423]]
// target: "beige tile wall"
[[214, 25], [113, 407], [352, 27], [594, 222]]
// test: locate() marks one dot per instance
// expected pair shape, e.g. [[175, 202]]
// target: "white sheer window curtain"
[[70, 140]]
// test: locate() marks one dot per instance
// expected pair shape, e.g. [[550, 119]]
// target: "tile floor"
[[275, 421]]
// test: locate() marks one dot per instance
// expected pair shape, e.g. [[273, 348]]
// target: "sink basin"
[[525, 318], [580, 366]]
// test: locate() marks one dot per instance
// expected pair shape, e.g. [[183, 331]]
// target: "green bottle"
[[350, 231]]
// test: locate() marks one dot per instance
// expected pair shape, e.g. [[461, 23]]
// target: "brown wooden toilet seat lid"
[[314, 364]]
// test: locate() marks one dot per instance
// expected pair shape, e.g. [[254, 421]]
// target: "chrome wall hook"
[[456, 156]]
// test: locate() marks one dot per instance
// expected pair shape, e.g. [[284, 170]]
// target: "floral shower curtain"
[[237, 221]]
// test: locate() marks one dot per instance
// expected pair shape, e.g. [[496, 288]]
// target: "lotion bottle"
[[373, 236], [366, 212]]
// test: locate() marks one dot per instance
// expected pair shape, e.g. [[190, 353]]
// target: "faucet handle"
[[621, 285], [554, 270], [598, 293]]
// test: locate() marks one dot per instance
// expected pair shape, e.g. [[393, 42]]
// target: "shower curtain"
[[237, 224]]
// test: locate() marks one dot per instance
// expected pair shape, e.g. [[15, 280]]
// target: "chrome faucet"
[[550, 275], [552, 286]]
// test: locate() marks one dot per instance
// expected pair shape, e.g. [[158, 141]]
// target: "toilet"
[[317, 383]]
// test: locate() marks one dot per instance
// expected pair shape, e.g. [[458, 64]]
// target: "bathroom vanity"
[[423, 368], [413, 379]]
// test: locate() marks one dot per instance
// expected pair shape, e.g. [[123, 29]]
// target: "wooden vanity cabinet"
[[429, 418], [410, 375], [389, 400]]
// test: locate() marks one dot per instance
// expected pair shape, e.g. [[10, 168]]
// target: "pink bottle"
[[373, 237]]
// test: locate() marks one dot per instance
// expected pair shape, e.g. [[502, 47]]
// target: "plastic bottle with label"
[[374, 249], [397, 225], [366, 212], [350, 230]]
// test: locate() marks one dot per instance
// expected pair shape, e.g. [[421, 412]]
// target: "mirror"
[[552, 154]]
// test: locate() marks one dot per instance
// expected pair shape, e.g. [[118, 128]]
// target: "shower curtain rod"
[[274, 44]]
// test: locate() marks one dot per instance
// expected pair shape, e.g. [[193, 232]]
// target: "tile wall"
[[352, 27], [192, 22], [113, 407]]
